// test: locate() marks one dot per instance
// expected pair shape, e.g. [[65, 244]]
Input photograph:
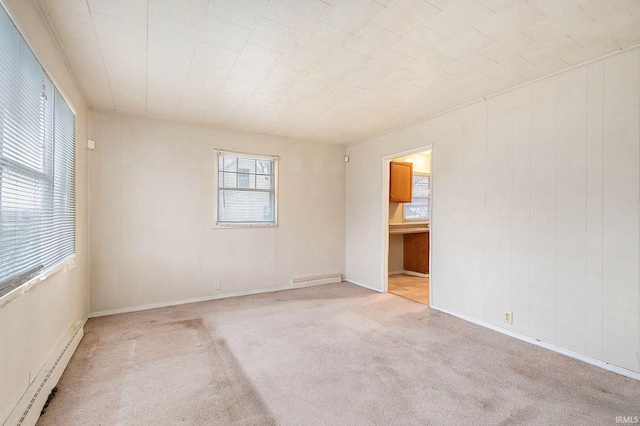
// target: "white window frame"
[[404, 205], [257, 224], [54, 247]]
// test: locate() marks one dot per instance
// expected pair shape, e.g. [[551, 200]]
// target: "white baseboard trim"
[[362, 285], [404, 271], [589, 360], [196, 300], [417, 274], [27, 411]]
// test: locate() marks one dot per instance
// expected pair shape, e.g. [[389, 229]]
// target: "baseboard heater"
[[28, 410], [316, 280]]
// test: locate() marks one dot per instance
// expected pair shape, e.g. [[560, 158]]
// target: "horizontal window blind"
[[37, 194], [420, 206], [246, 189]]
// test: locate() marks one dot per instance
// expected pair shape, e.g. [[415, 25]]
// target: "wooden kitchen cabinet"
[[400, 182], [416, 252]]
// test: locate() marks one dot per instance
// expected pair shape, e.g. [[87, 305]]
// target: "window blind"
[[420, 206], [246, 189], [37, 193]]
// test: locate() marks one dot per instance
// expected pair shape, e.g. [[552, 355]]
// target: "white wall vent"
[[30, 405], [316, 280]]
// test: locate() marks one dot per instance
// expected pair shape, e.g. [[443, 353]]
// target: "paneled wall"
[[535, 209], [153, 239]]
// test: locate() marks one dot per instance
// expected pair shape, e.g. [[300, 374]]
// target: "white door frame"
[[385, 212]]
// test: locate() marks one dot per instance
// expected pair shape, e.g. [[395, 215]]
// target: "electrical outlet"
[[508, 317], [217, 286]]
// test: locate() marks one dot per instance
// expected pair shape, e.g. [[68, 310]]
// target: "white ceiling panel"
[[509, 47], [351, 15], [333, 71], [620, 27], [460, 17], [419, 41], [468, 66], [429, 63], [274, 36], [303, 59], [297, 14], [465, 44], [551, 8], [508, 68], [323, 38], [169, 75], [258, 56], [404, 16], [245, 13], [363, 78], [172, 32], [130, 10], [544, 69], [437, 80], [388, 61], [589, 52], [599, 10], [553, 50], [224, 34], [557, 26], [248, 73], [400, 79], [371, 39], [215, 55], [511, 21], [188, 11], [66, 10]]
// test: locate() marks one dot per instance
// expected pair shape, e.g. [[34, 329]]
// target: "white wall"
[[535, 209], [33, 324], [152, 214]]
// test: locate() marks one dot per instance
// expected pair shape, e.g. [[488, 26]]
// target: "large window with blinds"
[[37, 195], [247, 190]]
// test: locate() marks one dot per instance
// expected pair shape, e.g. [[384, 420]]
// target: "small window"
[[246, 190], [419, 208]]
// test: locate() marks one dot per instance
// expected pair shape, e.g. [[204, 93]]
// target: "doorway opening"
[[408, 221]]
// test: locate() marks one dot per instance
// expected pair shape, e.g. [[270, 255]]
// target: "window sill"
[[66, 265], [244, 225]]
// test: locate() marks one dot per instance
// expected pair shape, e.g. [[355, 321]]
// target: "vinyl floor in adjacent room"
[[328, 355], [409, 286]]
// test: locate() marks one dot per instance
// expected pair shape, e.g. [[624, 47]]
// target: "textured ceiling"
[[332, 71]]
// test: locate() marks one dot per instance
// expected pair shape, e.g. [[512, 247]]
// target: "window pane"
[[245, 206], [264, 182], [228, 180], [245, 179], [246, 165], [263, 167], [229, 164], [420, 186], [419, 208]]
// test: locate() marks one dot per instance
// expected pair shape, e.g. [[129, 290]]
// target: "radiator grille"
[[316, 280]]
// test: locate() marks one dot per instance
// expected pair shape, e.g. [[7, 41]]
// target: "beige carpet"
[[329, 355]]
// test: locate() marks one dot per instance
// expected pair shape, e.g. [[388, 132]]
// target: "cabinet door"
[[400, 180], [416, 252]]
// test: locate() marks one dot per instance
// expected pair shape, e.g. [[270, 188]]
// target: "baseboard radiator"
[[316, 280], [28, 410]]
